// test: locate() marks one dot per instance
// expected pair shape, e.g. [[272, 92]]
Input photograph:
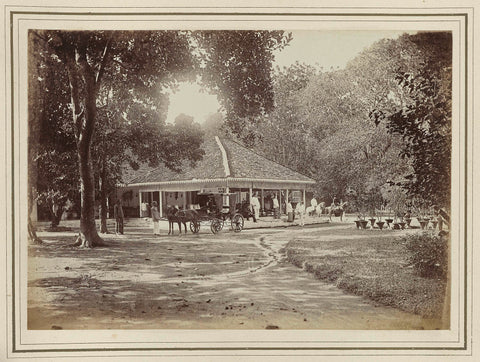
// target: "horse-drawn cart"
[[216, 214], [217, 221]]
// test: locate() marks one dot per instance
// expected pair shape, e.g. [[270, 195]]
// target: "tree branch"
[[121, 64], [39, 36], [103, 63]]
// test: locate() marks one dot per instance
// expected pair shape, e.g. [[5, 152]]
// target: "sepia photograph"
[[260, 181], [228, 179]]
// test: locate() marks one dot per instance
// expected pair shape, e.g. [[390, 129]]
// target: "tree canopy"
[[382, 122], [120, 76]]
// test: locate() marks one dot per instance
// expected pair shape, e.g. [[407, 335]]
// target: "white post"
[[184, 200], [304, 198], [226, 199], [280, 202], [140, 202], [250, 193], [151, 202], [263, 205], [160, 206]]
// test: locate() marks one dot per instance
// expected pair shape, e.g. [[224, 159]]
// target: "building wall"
[[176, 198]]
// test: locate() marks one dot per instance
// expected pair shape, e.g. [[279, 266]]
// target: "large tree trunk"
[[32, 232], [57, 215], [88, 231], [84, 112], [34, 116]]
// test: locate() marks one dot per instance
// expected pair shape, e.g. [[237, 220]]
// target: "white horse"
[[320, 208], [315, 210]]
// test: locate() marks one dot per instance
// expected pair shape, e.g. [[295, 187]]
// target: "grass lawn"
[[370, 263]]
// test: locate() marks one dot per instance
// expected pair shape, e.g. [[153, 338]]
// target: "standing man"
[[300, 209], [155, 218], [118, 215], [256, 206], [276, 206], [144, 209], [289, 211], [314, 204]]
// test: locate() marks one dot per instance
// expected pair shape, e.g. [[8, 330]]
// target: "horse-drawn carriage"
[[215, 214], [218, 212]]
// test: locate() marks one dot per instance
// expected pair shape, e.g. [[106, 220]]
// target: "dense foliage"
[[377, 128], [117, 79], [424, 119], [428, 253]]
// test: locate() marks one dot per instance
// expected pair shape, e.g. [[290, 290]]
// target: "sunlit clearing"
[[191, 101]]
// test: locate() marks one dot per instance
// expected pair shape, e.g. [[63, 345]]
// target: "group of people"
[[255, 206], [154, 212], [119, 216], [299, 210], [290, 210]]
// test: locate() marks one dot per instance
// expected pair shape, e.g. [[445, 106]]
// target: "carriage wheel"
[[216, 226], [237, 223], [194, 226]]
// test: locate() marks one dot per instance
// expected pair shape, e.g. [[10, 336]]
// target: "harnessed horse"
[[180, 217]]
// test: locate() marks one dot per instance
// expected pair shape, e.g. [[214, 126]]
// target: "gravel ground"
[[229, 280]]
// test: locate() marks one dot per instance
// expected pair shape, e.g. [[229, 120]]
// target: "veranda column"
[[160, 201], [304, 198], [262, 204], [280, 201], [140, 202], [184, 200]]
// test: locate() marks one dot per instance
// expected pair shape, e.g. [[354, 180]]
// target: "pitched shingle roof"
[[243, 163]]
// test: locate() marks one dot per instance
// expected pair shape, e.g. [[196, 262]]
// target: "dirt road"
[[229, 280]]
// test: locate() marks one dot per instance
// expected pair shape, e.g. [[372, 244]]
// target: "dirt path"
[[229, 280]]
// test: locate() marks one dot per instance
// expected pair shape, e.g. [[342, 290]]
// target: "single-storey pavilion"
[[226, 167]]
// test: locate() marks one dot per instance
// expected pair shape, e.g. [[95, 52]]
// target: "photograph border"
[[310, 13]]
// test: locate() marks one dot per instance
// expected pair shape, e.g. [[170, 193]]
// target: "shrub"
[[428, 253]]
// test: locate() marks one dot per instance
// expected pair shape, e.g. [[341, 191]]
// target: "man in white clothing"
[[300, 210], [144, 209], [276, 206], [256, 207], [155, 218]]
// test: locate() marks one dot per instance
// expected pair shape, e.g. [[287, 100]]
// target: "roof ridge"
[[226, 166], [268, 159]]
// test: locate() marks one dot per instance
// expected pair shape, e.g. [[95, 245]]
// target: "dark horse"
[[180, 217]]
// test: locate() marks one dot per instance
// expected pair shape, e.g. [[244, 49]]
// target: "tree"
[[58, 181], [34, 117], [238, 68], [136, 134], [320, 127], [282, 133], [138, 60], [50, 139], [424, 117], [140, 63]]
